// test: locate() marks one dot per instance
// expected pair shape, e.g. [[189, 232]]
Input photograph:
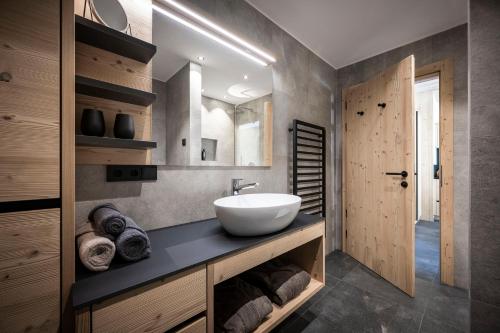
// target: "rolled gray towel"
[[239, 307], [133, 243], [108, 219], [280, 281]]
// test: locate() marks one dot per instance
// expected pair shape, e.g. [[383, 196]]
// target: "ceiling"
[[222, 69], [343, 32]]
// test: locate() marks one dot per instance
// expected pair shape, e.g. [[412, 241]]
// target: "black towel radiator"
[[309, 166]]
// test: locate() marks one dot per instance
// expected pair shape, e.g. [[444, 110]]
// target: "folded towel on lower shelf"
[[133, 243], [239, 307], [108, 219], [280, 281], [95, 249]]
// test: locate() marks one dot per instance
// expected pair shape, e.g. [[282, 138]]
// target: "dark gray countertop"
[[175, 249]]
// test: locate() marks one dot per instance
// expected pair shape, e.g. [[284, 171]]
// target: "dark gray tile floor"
[[357, 300]]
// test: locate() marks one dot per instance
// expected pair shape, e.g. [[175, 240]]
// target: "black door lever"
[[402, 174]]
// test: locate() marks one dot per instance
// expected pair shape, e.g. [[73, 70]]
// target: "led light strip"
[[219, 29], [207, 34]]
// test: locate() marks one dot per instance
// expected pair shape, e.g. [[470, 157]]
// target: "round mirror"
[[110, 13]]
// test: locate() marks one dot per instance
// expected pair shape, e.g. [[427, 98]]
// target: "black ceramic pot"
[[92, 123], [124, 126]]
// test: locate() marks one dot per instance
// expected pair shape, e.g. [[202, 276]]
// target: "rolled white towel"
[[95, 250]]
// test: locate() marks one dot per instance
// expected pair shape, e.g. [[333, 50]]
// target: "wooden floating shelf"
[[100, 36], [281, 313], [105, 142], [96, 88]]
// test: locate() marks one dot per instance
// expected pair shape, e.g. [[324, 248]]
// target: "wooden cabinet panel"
[[197, 326], [154, 308], [228, 267], [29, 271], [29, 112]]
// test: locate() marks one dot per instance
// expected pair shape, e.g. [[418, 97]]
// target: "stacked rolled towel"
[[239, 307], [281, 282], [108, 219], [133, 243], [95, 249]]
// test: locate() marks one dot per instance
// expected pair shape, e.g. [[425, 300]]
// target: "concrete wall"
[[178, 113], [451, 43], [303, 88], [484, 57], [159, 155]]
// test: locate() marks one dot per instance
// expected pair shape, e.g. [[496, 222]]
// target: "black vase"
[[92, 123], [124, 126]]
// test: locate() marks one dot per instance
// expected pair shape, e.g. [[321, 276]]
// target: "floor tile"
[[339, 264], [432, 324], [350, 309]]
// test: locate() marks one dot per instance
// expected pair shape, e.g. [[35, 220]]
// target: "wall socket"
[[127, 173]]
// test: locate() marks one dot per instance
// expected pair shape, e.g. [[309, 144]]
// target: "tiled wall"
[[450, 43], [304, 86], [484, 37]]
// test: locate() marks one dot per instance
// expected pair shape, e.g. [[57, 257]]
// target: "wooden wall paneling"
[[30, 271], [138, 14], [446, 78], [29, 112], [142, 115], [111, 156], [67, 162], [106, 66], [157, 307]]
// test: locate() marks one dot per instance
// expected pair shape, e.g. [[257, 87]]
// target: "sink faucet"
[[237, 187]]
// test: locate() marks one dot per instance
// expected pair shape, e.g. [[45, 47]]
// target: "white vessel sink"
[[256, 214]]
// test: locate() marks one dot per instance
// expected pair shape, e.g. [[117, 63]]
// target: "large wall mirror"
[[214, 106]]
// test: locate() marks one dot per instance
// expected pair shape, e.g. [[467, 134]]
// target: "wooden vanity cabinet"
[[157, 307], [184, 302]]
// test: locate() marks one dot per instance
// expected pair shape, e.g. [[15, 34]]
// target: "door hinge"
[[345, 126], [346, 213], [345, 105], [345, 233]]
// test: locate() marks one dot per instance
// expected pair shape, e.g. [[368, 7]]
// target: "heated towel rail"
[[309, 166]]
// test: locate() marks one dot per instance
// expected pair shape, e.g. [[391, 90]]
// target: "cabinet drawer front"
[[29, 271], [197, 326], [228, 267], [154, 308]]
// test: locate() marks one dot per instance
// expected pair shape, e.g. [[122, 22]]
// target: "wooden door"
[[379, 209]]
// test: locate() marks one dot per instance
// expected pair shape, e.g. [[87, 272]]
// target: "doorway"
[[364, 237], [427, 228]]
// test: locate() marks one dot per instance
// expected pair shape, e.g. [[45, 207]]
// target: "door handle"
[[402, 174]]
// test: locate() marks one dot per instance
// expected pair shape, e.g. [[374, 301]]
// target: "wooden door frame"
[[444, 69]]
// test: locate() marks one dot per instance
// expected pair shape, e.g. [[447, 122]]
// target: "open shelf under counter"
[[97, 88], [103, 37], [105, 142], [280, 313]]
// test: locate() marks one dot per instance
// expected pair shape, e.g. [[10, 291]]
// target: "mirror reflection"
[[213, 107]]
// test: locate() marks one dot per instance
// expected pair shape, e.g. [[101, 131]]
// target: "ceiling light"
[[202, 90], [207, 34], [225, 97], [201, 58], [245, 77], [219, 29]]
